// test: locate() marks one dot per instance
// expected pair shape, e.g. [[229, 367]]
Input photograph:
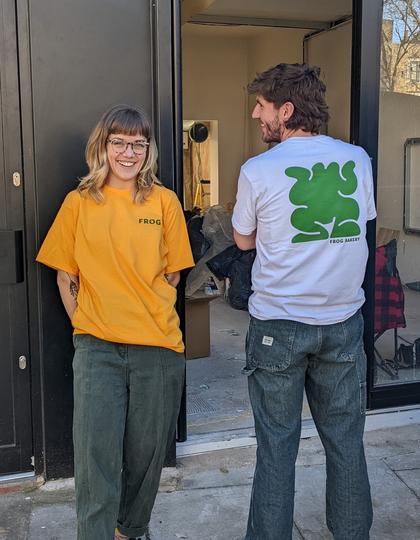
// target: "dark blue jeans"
[[284, 358]]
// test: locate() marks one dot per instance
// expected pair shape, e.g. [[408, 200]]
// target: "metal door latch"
[[22, 362], [16, 179]]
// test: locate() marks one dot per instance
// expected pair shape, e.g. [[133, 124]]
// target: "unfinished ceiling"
[[279, 12], [216, 31]]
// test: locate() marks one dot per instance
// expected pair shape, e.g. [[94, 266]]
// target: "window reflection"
[[397, 288]]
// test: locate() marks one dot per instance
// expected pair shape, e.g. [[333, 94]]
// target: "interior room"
[[397, 340], [224, 45], [397, 287]]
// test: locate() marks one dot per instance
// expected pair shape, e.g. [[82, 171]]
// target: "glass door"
[[397, 268], [395, 314]]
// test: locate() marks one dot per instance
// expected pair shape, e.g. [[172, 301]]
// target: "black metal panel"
[[367, 23], [86, 55], [163, 88], [15, 411], [177, 97], [165, 23], [31, 236], [11, 257], [77, 59], [179, 183], [395, 396]]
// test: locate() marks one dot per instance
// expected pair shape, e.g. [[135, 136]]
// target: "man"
[[304, 205]]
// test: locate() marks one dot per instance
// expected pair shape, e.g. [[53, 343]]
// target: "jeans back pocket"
[[269, 345]]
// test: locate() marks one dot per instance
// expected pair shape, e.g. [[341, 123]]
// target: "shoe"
[[120, 536]]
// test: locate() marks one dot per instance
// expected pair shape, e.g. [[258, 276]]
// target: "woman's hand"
[[173, 278], [68, 285]]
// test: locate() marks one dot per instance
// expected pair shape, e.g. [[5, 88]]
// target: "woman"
[[118, 243]]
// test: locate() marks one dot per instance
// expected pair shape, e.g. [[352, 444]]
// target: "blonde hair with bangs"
[[127, 120]]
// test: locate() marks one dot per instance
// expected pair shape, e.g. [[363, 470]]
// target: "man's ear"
[[286, 111]]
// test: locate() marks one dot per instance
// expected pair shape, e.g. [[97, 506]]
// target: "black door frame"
[[53, 456], [367, 20], [365, 89], [179, 182], [166, 24], [367, 24], [17, 456]]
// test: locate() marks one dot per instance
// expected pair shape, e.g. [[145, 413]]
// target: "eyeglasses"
[[120, 146]]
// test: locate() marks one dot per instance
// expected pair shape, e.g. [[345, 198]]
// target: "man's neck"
[[289, 133]]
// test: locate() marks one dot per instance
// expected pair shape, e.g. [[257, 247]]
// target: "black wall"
[[77, 59]]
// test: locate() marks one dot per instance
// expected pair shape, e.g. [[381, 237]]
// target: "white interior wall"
[[218, 63], [331, 51], [214, 81], [399, 120], [270, 47]]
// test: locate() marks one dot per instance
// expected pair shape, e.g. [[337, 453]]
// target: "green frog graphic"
[[323, 197]]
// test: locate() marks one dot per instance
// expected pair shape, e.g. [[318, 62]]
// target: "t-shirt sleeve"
[[371, 208], [179, 255], [244, 219], [57, 249]]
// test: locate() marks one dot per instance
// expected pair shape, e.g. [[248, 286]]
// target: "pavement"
[[206, 497]]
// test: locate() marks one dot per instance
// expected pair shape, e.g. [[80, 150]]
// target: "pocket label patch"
[[267, 340]]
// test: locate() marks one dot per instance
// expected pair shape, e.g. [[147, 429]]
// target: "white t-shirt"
[[309, 199]]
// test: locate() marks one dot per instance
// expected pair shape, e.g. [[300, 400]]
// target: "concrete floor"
[[217, 392], [207, 496]]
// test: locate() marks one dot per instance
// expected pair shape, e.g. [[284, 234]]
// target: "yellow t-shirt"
[[121, 252]]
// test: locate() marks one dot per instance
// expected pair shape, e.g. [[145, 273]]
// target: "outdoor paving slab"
[[411, 479], [396, 508], [15, 512], [207, 496], [404, 462], [208, 514], [221, 478], [311, 452], [197, 514], [225, 468], [53, 522], [310, 503], [385, 443]]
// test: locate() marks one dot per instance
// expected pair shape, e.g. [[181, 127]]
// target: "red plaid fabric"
[[389, 294]]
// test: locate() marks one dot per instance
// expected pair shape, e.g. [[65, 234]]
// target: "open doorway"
[[224, 44]]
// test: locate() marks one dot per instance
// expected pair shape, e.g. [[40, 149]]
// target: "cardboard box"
[[197, 326]]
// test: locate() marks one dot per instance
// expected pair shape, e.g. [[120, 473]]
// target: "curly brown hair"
[[300, 85]]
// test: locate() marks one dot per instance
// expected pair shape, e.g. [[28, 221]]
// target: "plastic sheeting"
[[217, 229]]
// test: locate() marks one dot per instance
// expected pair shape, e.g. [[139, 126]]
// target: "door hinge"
[[16, 179]]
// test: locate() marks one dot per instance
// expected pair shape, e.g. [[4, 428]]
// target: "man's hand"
[[245, 241], [173, 278]]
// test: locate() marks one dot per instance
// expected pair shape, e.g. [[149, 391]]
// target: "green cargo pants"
[[126, 402]]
